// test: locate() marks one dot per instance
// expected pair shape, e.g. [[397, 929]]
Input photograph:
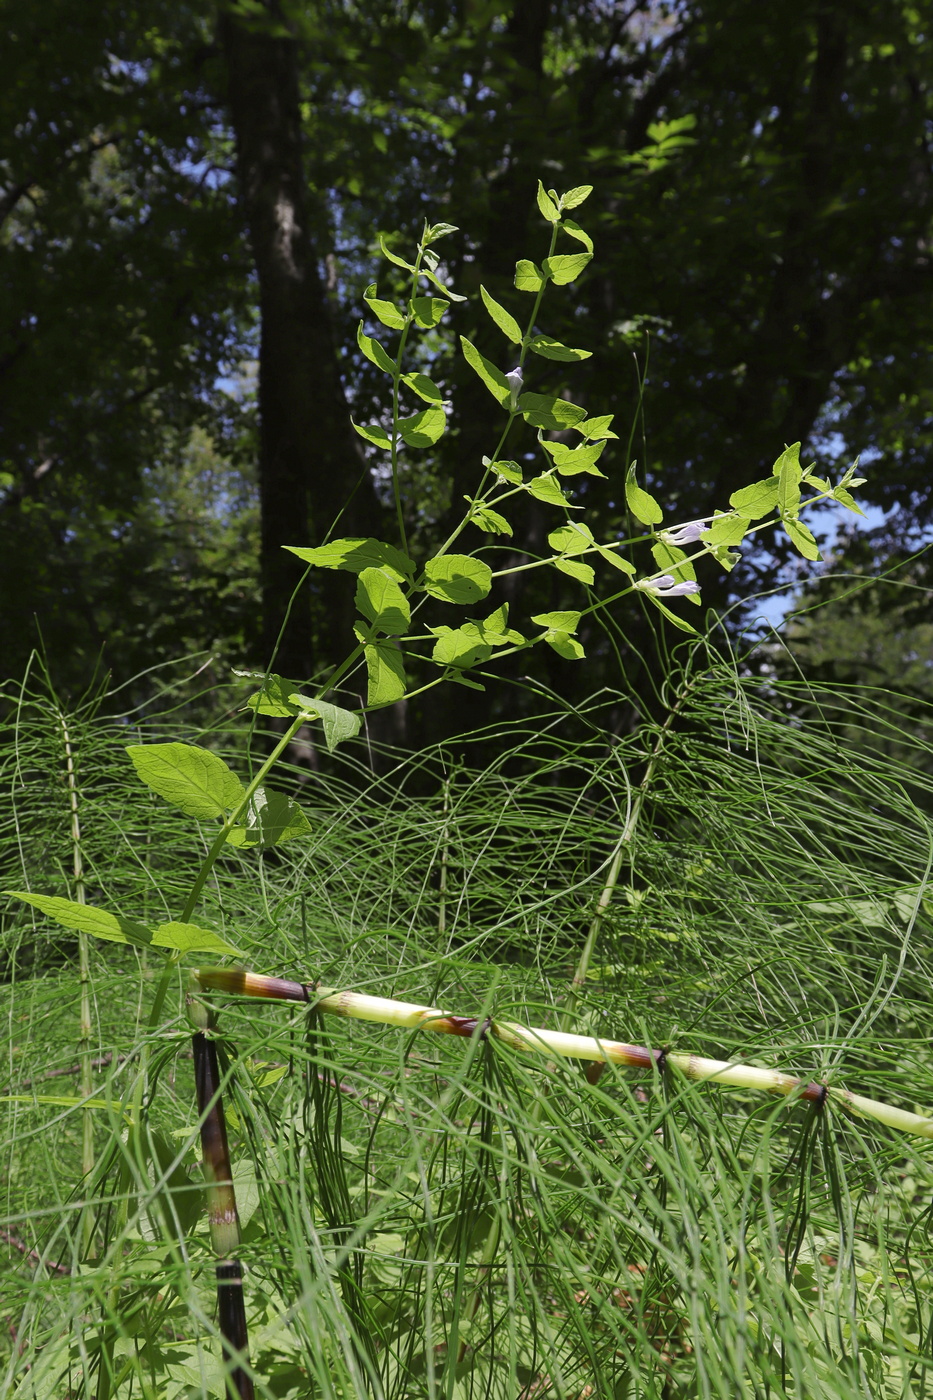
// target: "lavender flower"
[[514, 379], [666, 587], [684, 534]]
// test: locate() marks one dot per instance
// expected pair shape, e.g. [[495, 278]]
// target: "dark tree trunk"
[[309, 457]]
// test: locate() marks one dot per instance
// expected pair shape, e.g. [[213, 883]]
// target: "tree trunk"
[[309, 457]]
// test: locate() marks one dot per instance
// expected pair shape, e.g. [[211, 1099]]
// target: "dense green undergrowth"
[[435, 1217]]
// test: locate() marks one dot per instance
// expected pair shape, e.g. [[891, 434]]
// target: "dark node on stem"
[[467, 1026], [660, 1059], [816, 1093]]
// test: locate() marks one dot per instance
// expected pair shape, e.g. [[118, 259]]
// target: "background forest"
[[191, 204]]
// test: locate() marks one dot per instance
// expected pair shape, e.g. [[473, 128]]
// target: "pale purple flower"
[[514, 379], [666, 587], [684, 534]]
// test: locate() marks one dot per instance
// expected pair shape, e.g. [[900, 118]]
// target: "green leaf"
[[424, 387], [545, 488], [432, 232], [789, 471], [547, 206], [617, 560], [727, 528], [192, 779], [493, 378], [423, 429], [578, 233], [572, 538], [428, 311], [528, 277], [385, 311], [596, 428], [503, 319], [680, 622], [386, 673], [86, 919], [575, 568], [485, 518], [576, 196], [374, 434], [801, 538], [644, 507], [374, 351], [571, 461], [275, 697], [509, 471], [460, 646], [355, 555], [269, 819], [382, 602], [542, 411], [552, 349], [675, 562], [565, 267], [393, 258], [457, 578], [846, 499], [564, 621], [188, 938], [756, 500], [338, 724], [496, 629], [566, 646]]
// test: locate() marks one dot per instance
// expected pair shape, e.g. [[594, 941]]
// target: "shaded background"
[[190, 197]]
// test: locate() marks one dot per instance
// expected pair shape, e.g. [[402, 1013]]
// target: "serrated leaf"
[[551, 349], [192, 779], [789, 455], [801, 538], [275, 697], [545, 488], [355, 555], [382, 602], [434, 231], [374, 351], [269, 819], [454, 296], [188, 938], [547, 206], [485, 518], [503, 319], [497, 621], [563, 621], [84, 918], [385, 311], [756, 500], [675, 562], [428, 311], [578, 233], [493, 378], [374, 434], [393, 257], [423, 429], [617, 560], [575, 568], [457, 578], [565, 267], [572, 538], [643, 506], [424, 387], [460, 646], [385, 671], [571, 461], [566, 646], [789, 471], [576, 196], [597, 428], [542, 411], [338, 724], [728, 528], [528, 277], [509, 471]]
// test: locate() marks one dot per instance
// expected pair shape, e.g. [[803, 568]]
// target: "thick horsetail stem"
[[223, 1218], [410, 1016]]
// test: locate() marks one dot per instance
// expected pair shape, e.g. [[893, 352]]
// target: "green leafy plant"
[[393, 589]]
